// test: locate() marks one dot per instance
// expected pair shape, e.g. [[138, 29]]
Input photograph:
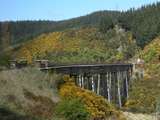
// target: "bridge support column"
[[79, 81], [82, 78], [126, 84], [93, 85], [76, 80], [98, 84], [87, 82], [119, 88], [108, 77], [110, 85]]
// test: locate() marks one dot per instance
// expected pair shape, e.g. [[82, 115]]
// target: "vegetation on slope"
[[6, 114], [151, 53], [72, 109], [39, 46], [101, 40], [145, 93], [20, 31], [144, 23], [27, 94], [32, 95], [97, 106], [4, 59], [85, 45]]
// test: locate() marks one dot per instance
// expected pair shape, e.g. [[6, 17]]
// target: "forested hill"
[[14, 32], [85, 45], [144, 23]]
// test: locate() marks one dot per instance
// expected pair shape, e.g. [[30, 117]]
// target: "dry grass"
[[28, 91]]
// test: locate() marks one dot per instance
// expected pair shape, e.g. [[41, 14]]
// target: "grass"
[[6, 114], [28, 92]]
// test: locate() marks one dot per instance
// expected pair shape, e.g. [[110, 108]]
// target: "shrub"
[[72, 109], [97, 106], [151, 52], [150, 55], [143, 96], [4, 59]]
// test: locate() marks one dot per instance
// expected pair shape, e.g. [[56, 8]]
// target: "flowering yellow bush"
[[40, 46], [56, 42], [84, 45], [97, 106]]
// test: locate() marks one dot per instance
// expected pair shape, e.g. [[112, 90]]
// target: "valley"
[[101, 38]]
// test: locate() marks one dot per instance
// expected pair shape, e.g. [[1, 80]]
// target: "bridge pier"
[[126, 85], [112, 85], [98, 86], [79, 81], [93, 84], [119, 78], [108, 76], [82, 77]]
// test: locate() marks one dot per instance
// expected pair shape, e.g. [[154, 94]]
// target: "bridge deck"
[[89, 68]]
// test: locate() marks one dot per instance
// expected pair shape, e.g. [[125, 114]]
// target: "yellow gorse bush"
[[97, 106], [83, 45], [40, 46]]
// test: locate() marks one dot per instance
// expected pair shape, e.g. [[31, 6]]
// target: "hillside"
[[142, 22], [27, 96], [145, 94], [14, 32], [86, 45], [151, 53], [102, 37]]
